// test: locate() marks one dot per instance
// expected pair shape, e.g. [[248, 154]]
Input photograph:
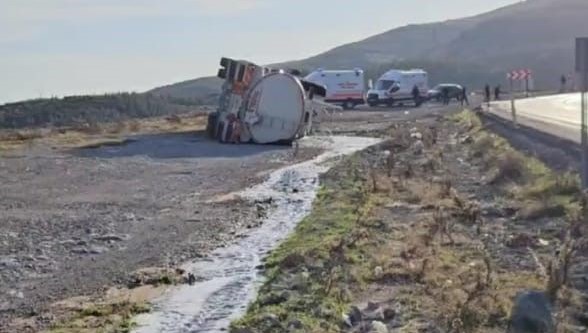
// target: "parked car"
[[454, 91]]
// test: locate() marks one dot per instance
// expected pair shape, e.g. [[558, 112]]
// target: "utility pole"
[[582, 71]]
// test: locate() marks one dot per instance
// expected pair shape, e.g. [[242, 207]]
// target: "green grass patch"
[[114, 317], [311, 275], [540, 190]]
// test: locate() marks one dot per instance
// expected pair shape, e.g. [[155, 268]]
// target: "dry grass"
[[94, 134], [510, 167], [114, 311], [538, 191], [417, 242]]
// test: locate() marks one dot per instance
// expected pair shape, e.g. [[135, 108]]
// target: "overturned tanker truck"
[[263, 105]]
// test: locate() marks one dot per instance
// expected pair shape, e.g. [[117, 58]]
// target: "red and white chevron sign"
[[519, 74]]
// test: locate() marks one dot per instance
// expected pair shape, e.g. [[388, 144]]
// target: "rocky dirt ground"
[[76, 221], [437, 230], [72, 223]]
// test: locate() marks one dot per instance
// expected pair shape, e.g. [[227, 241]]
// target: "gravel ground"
[[74, 222]]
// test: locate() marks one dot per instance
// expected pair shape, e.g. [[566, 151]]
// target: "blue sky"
[[63, 47]]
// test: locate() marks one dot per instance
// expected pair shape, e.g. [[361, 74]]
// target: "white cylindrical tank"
[[275, 109]]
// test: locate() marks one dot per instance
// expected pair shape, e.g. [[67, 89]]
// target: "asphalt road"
[[558, 115]]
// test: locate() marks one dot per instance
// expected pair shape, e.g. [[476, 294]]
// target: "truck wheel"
[[347, 105], [211, 125], [372, 104]]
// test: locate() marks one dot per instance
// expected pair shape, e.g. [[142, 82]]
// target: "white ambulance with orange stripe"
[[344, 87]]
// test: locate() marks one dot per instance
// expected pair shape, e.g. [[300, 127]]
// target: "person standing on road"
[[416, 96], [464, 97], [487, 93], [497, 93], [445, 94]]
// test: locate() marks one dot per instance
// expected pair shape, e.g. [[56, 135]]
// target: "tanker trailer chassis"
[[263, 105]]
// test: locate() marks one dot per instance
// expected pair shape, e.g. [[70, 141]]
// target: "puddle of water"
[[229, 277]]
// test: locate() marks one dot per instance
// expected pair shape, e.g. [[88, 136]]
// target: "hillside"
[[535, 34], [202, 90]]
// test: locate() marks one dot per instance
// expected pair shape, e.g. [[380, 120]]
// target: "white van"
[[344, 87], [396, 86]]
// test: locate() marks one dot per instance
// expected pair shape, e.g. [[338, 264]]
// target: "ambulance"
[[344, 87], [396, 87]]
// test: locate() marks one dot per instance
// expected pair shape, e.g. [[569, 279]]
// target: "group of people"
[[487, 93]]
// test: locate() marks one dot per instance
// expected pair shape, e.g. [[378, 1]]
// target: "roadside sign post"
[[513, 108], [517, 75], [527, 86], [582, 70]]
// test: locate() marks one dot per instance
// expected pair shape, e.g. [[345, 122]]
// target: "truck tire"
[[373, 104], [211, 125], [347, 105]]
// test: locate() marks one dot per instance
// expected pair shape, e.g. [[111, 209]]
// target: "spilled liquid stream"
[[229, 277]]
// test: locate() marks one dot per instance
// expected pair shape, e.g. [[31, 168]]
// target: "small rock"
[[418, 147], [298, 282], [378, 272], [191, 279], [274, 298], [295, 324], [9, 262], [79, 250], [389, 314], [531, 313], [293, 260], [94, 249], [376, 314], [271, 320], [543, 242], [69, 242], [466, 140], [109, 238], [521, 241], [347, 320], [355, 315], [379, 327], [16, 293], [582, 318]]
